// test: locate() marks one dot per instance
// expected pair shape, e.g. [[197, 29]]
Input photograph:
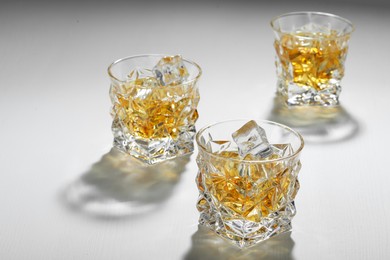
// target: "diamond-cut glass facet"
[[310, 66], [244, 195], [247, 199], [151, 121]]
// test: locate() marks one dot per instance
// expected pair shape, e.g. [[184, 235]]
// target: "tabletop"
[[66, 194]]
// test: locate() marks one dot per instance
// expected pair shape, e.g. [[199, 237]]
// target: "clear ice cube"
[[170, 70], [139, 73], [315, 28], [142, 77], [282, 150], [218, 146], [251, 139]]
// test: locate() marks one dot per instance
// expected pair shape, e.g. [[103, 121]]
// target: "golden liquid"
[[315, 58], [155, 112], [248, 190]]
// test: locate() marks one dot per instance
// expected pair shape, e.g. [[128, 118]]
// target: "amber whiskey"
[[310, 66], [151, 111]]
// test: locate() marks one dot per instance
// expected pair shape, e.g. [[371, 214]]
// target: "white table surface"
[[63, 197]]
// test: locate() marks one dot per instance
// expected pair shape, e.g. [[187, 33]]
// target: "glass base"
[[153, 151], [297, 95], [317, 124], [244, 233]]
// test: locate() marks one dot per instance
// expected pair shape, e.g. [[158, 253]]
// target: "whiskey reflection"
[[315, 123], [120, 186], [206, 245]]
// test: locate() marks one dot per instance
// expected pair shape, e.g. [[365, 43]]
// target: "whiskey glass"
[[246, 201], [311, 48], [153, 122]]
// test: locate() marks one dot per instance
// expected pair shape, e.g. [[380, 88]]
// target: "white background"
[[55, 126]]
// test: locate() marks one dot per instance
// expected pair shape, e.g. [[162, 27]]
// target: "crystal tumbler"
[[154, 101], [311, 49], [247, 200]]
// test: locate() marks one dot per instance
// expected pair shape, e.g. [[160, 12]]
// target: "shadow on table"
[[206, 245], [316, 124], [119, 186]]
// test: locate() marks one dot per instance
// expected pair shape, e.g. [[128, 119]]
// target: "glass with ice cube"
[[154, 110], [247, 179], [311, 49]]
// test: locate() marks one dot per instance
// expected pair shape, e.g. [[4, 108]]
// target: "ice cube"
[[282, 150], [316, 28], [251, 139], [139, 73], [170, 70], [141, 77], [149, 82], [218, 146]]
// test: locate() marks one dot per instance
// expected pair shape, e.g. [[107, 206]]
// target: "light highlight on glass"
[[247, 200], [311, 49], [151, 121]]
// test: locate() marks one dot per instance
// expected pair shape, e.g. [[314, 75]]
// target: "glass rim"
[[111, 74], [294, 154], [348, 22]]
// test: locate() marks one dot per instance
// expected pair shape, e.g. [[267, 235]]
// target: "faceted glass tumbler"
[[153, 122], [311, 49], [247, 201]]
